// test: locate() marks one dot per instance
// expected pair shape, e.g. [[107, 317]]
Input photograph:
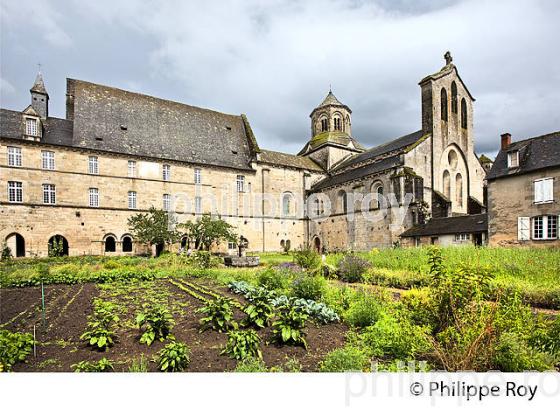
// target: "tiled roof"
[[450, 225], [39, 85], [534, 154], [288, 160]]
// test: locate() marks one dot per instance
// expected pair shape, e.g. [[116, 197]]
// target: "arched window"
[[16, 243], [110, 244], [459, 189], [443, 104], [324, 124], [377, 191], [337, 123], [58, 246], [282, 243], [454, 97], [127, 244], [287, 204], [447, 184], [463, 114], [342, 202]]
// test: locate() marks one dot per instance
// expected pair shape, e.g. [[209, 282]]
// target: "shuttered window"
[[544, 190], [523, 228]]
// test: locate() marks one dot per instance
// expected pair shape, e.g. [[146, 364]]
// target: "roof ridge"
[[535, 138]]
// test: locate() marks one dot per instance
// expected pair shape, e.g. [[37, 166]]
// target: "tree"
[[207, 231], [156, 227]]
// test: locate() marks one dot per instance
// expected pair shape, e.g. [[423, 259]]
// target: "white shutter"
[[538, 191], [523, 228], [547, 189]]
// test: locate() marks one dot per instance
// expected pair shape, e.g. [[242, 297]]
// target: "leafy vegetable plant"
[[103, 365], [289, 328], [242, 344], [218, 314], [14, 348], [174, 357], [157, 323]]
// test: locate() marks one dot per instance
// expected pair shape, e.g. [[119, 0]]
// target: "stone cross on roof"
[[448, 58]]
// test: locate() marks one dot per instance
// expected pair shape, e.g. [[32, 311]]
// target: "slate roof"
[[332, 138], [358, 173], [330, 99], [450, 225], [56, 131], [288, 160], [395, 146], [534, 154], [39, 85]]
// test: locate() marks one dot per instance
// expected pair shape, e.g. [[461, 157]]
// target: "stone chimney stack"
[[506, 141]]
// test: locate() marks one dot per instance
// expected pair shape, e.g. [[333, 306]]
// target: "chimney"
[[506, 140]]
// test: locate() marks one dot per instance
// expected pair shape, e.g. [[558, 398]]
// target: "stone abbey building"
[[117, 153]]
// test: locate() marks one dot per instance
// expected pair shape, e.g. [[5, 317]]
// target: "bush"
[[111, 264], [218, 313], [309, 287], [348, 358], [273, 279], [203, 260], [289, 328], [85, 366], [157, 323], [419, 306], [242, 344], [514, 355], [395, 337], [307, 258], [364, 312], [6, 252], [14, 348], [174, 357], [352, 268]]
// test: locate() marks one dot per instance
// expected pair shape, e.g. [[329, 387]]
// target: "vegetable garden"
[[429, 309]]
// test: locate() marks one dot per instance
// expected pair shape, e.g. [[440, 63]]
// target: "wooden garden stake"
[[43, 301], [34, 343]]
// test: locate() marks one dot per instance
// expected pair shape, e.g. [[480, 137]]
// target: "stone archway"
[[317, 244], [58, 246], [16, 243]]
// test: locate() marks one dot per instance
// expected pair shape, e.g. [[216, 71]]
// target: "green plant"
[[307, 258], [203, 259], [251, 365], [309, 287], [272, 279], [242, 344], [218, 313], [157, 323], [14, 348], [365, 311], [56, 248], [138, 365], [348, 358], [101, 332], [289, 327], [6, 252], [352, 268], [174, 357], [513, 354], [103, 365], [259, 310]]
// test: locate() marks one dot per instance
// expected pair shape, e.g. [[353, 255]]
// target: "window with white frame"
[[14, 156], [131, 169], [93, 165], [232, 246], [513, 159], [31, 127], [94, 197], [166, 172], [47, 159], [545, 227], [131, 199], [462, 237], [49, 194], [240, 183], [15, 191], [198, 204], [197, 176], [166, 202], [544, 190]]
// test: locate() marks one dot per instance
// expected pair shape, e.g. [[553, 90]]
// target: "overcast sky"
[[274, 60]]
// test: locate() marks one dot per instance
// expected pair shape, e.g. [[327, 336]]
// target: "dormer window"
[[513, 159], [31, 127]]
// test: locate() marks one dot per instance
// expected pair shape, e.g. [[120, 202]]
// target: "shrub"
[[157, 323], [242, 344], [251, 365], [103, 365], [309, 287], [111, 264], [364, 312], [14, 348], [348, 358], [352, 268], [307, 258], [203, 260], [218, 313], [419, 306], [289, 328], [6, 252], [174, 357], [272, 279]]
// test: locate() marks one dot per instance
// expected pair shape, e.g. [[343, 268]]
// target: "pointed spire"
[[330, 99], [39, 86]]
